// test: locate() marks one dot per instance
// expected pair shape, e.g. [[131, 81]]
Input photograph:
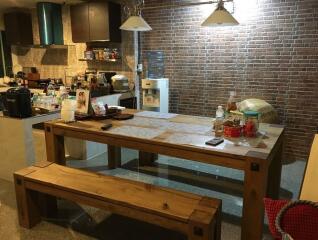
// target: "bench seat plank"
[[165, 202]]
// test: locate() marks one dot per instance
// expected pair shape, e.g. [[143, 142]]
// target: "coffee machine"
[[18, 102]]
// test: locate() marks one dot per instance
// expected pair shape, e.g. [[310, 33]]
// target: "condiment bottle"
[[231, 103], [218, 123]]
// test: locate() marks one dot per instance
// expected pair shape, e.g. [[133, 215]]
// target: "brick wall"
[[272, 54]]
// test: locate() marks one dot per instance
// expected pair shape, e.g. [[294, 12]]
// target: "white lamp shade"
[[135, 23], [220, 17]]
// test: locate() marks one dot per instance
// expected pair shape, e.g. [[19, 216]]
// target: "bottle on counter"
[[50, 90], [218, 123], [231, 103]]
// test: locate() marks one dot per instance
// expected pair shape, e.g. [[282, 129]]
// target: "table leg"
[[274, 174], [255, 185], [147, 159], [114, 156], [55, 149]]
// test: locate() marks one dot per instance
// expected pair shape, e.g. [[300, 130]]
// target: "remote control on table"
[[106, 126], [215, 141]]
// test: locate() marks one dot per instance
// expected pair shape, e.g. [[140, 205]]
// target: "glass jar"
[[106, 53], [251, 123], [116, 53], [89, 55], [101, 54], [96, 54]]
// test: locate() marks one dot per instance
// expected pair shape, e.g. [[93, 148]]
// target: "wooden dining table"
[[184, 136]]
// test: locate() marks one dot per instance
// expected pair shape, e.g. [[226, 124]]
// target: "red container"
[[234, 132], [250, 130]]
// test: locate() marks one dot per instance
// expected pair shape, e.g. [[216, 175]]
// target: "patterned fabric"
[[301, 221]]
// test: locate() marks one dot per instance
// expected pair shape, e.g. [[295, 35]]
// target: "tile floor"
[[82, 222]]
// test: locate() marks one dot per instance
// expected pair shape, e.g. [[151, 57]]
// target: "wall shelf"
[[96, 60], [52, 46]]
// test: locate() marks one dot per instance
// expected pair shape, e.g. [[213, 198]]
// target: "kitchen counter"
[[20, 144]]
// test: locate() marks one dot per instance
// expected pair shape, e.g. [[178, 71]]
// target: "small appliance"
[[105, 77], [18, 102], [120, 83], [155, 94]]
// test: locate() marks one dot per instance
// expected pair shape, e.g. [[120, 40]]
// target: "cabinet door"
[[80, 23], [18, 27], [114, 22], [6, 61], [99, 21]]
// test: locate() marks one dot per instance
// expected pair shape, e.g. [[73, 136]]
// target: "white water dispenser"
[[155, 94]]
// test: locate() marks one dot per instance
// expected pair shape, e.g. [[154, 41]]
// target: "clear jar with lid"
[[251, 123]]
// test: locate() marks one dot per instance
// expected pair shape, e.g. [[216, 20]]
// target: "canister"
[[251, 123]]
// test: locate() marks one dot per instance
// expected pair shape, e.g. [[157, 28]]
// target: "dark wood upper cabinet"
[[96, 21], [18, 27], [80, 23]]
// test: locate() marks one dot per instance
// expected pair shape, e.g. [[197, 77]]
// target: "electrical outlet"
[[139, 68]]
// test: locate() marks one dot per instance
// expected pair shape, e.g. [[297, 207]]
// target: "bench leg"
[[28, 211], [114, 156], [218, 224], [147, 159], [200, 228], [32, 205], [47, 205]]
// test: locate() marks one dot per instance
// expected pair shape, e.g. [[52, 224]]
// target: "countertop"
[[38, 118], [33, 90]]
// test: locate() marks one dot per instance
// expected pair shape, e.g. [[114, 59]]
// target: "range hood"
[[50, 23]]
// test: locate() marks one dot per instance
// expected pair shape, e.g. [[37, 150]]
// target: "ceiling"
[[5, 4]]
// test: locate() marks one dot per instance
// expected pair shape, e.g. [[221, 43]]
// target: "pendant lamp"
[[135, 23], [220, 17]]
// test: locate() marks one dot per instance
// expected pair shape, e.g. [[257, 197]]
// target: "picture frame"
[[82, 101]]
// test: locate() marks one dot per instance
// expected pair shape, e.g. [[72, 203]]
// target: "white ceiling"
[[5, 4]]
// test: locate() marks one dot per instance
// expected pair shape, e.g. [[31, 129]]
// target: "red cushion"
[[272, 208], [301, 221]]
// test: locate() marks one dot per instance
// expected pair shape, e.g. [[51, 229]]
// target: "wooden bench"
[[38, 186]]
